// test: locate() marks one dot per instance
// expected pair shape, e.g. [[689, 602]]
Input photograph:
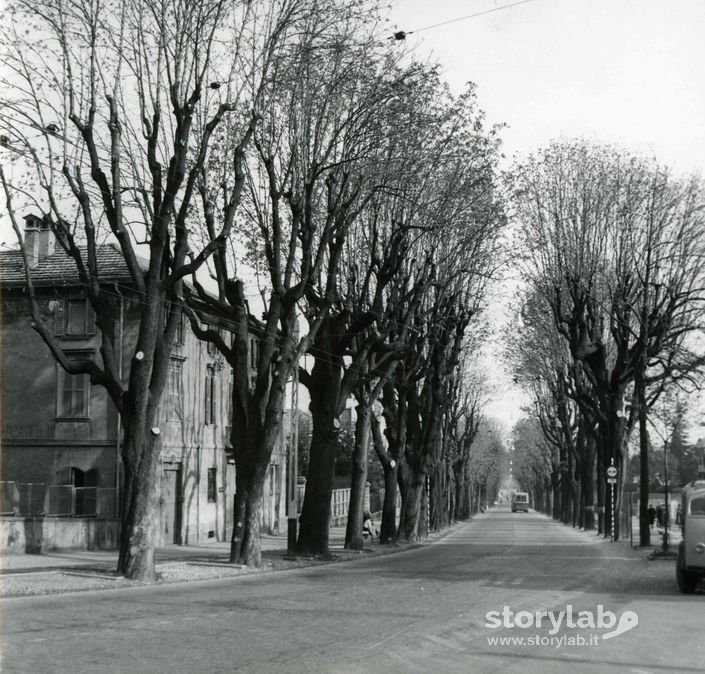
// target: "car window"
[[697, 506]]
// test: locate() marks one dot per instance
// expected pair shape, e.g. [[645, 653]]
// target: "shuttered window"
[[210, 397], [72, 392], [173, 394], [74, 318], [212, 473]]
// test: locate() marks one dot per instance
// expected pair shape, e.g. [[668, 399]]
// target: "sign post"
[[612, 481]]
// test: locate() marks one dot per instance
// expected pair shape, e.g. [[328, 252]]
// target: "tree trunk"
[[140, 506], [587, 490], [353, 532], [644, 527], [460, 511], [388, 526], [412, 493], [613, 446], [246, 544], [601, 501], [556, 484], [315, 514], [254, 436], [437, 498]]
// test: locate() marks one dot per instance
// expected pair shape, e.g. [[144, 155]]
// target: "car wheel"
[[687, 580]]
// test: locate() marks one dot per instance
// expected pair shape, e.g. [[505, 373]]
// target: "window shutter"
[[59, 318], [92, 477], [90, 319]]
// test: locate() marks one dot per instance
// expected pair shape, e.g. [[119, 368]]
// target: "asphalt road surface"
[[448, 607]]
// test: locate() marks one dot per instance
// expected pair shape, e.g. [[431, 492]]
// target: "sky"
[[627, 72], [624, 72]]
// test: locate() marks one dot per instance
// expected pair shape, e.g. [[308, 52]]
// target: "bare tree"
[[614, 249], [316, 161], [112, 111]]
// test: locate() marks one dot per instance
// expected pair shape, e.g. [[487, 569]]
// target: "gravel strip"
[[85, 579]]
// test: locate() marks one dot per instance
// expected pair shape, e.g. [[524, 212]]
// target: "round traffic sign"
[[611, 472]]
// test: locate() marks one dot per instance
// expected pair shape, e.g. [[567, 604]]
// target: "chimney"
[[31, 240], [46, 239], [39, 240]]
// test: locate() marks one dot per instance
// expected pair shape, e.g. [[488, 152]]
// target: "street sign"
[[611, 471], [611, 480]]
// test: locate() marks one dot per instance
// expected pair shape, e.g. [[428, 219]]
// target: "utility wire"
[[402, 34]]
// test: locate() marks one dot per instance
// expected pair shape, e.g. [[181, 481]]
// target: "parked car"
[[520, 501], [690, 565]]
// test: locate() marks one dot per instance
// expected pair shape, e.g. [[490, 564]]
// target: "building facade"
[[60, 455]]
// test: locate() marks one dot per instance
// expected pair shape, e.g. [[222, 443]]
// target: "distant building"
[[61, 436]]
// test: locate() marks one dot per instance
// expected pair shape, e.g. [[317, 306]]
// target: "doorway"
[[171, 503]]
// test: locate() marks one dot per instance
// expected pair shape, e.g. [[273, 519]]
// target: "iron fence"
[[8, 498], [32, 499]]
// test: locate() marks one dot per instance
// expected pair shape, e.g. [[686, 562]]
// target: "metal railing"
[[60, 500], [339, 503], [339, 500], [32, 499], [8, 498]]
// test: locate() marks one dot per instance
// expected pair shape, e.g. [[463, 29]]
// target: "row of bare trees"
[[284, 143], [612, 315]]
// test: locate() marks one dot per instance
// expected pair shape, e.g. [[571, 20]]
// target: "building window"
[[212, 472], [74, 318], [180, 332], [174, 395], [72, 392], [210, 396]]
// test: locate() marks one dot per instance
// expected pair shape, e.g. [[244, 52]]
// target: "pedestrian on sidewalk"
[[368, 527], [651, 513]]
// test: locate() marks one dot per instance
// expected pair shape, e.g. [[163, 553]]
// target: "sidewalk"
[[81, 570], [675, 536], [215, 551]]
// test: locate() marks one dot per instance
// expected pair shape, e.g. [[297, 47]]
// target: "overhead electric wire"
[[467, 16]]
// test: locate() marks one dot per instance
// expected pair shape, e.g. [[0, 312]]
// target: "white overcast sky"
[[628, 72]]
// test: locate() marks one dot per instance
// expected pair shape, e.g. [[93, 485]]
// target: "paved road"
[[421, 611]]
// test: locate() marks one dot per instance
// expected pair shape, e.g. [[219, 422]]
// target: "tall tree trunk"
[[257, 419], [140, 507], [315, 514], [353, 532], [412, 494], [556, 486], [388, 526], [436, 498], [459, 470], [245, 544], [644, 527], [614, 436], [588, 487], [601, 500]]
